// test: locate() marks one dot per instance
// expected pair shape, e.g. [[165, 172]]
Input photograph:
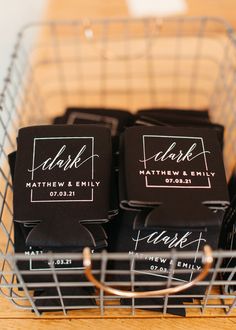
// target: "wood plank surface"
[[120, 324], [75, 9]]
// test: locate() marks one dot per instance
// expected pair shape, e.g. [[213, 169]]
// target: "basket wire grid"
[[176, 63]]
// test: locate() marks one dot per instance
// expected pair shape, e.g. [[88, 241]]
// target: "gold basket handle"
[[207, 261]]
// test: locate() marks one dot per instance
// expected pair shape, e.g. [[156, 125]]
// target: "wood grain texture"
[[74, 9], [121, 324], [224, 9]]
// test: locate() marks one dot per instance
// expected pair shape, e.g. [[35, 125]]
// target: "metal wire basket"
[[124, 63]]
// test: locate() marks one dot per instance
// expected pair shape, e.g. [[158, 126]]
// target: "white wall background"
[[13, 15]]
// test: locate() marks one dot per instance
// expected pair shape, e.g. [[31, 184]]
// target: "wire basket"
[[177, 63]]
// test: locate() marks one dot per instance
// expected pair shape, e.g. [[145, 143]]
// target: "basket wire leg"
[[230, 101], [229, 87], [195, 256], [5, 205], [176, 62], [103, 278], [16, 91], [59, 61], [25, 101], [103, 69], [57, 285], [6, 133], [79, 65], [232, 307], [6, 231], [10, 121], [169, 280], [150, 63], [211, 283], [196, 60], [31, 80], [128, 64], [8, 79], [220, 80], [24, 286], [132, 278], [27, 89]]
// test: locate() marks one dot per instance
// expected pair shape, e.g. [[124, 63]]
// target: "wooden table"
[[12, 318]]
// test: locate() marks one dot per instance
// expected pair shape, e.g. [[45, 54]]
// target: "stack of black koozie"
[[64, 181], [173, 194], [107, 179]]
